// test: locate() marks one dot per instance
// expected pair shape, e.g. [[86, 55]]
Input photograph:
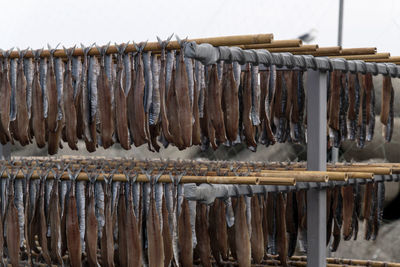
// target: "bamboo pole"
[[358, 51], [154, 46], [303, 48], [274, 44], [390, 59], [364, 57]]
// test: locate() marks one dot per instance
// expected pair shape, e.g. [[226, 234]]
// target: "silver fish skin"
[[59, 72], [43, 85], [168, 69], [19, 203], [28, 71], [4, 186], [148, 78], [86, 94], [159, 192], [33, 190], [272, 245], [127, 72], [155, 102], [230, 215], [272, 82], [13, 81], [192, 211], [93, 72], [76, 71], [169, 201], [146, 198], [81, 205], [201, 84], [48, 187], [115, 192], [63, 193], [99, 200], [136, 198], [371, 125], [248, 213], [255, 96], [178, 199]]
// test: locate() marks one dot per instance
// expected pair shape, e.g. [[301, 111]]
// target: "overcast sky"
[[36, 23]]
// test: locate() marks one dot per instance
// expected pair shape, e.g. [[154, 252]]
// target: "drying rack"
[[292, 56]]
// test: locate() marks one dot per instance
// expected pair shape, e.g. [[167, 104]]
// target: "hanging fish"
[[378, 214], [55, 115], [242, 238], [348, 210], [337, 207], [91, 230], [136, 116], [122, 241], [22, 119], [184, 93], [148, 93], [154, 235], [370, 102], [196, 130], [267, 136], [218, 231], [257, 237], [163, 89], [104, 94], [203, 237], [107, 244], [167, 238], [5, 100], [271, 211], [334, 108], [12, 228], [281, 104], [301, 198], [13, 99], [368, 210], [387, 112], [353, 109], [69, 107], [255, 96], [27, 172], [154, 116], [265, 221], [120, 96], [132, 232], [55, 223], [230, 99], [291, 222], [363, 114], [248, 128]]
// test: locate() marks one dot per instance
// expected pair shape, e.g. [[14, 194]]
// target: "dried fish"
[[257, 237], [106, 247], [154, 116], [281, 229], [42, 222], [184, 113], [271, 211], [42, 81], [301, 198], [368, 210], [230, 99], [148, 93], [136, 116], [120, 96], [337, 207], [387, 112], [163, 87], [91, 230], [13, 99], [218, 231], [363, 114], [203, 237], [5, 97], [348, 207], [242, 238], [22, 119], [12, 228], [55, 221], [267, 136], [370, 102], [291, 222], [167, 238], [196, 131], [246, 113]]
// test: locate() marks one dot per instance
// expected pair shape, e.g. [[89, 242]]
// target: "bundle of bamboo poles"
[[215, 172]]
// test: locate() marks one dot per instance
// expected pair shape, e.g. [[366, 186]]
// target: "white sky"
[[36, 23]]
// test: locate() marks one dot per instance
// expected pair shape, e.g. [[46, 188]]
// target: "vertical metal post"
[[316, 161]]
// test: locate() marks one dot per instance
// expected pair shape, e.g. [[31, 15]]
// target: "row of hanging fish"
[[110, 223], [145, 98]]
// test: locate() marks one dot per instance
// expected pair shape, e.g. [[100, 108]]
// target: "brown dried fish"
[[12, 228], [185, 236], [55, 225], [203, 238], [218, 231], [120, 97], [91, 229], [267, 136], [134, 250], [368, 210], [183, 102], [37, 118], [196, 131], [291, 222], [42, 234], [167, 238], [246, 116], [74, 245], [104, 95], [230, 102], [242, 238], [348, 207], [265, 221], [22, 108], [257, 237], [281, 230], [387, 113], [137, 118], [214, 98], [69, 107], [172, 113], [162, 88], [5, 100], [122, 241], [107, 241], [154, 235]]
